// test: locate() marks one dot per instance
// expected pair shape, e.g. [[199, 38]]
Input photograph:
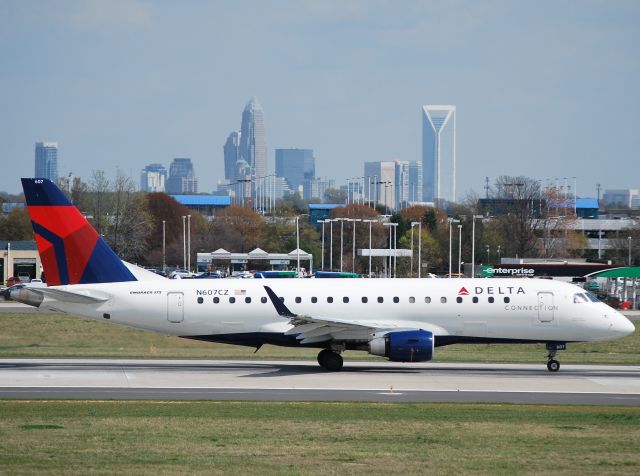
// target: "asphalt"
[[305, 381]]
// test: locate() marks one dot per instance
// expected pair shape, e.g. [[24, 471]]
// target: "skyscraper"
[[153, 178], [296, 166], [231, 155], [253, 140], [182, 177], [439, 153], [408, 182], [380, 183], [47, 161]]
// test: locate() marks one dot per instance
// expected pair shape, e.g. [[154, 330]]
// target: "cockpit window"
[[579, 298], [592, 297]]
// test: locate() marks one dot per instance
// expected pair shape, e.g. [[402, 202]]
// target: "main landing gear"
[[552, 364], [330, 360]]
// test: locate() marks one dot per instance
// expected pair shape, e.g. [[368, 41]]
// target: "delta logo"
[[463, 291]]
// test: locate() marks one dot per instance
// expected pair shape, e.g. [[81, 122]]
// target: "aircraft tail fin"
[[70, 249]]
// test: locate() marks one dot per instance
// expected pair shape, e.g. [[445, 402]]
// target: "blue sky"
[[544, 89]]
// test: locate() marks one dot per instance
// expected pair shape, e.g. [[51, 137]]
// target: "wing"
[[314, 329]]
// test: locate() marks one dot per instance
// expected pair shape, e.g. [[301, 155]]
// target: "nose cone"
[[623, 326]]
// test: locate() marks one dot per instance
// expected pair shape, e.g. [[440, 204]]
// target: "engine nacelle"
[[404, 346]]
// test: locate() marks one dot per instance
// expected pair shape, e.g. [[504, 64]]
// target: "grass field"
[[62, 437], [58, 335]]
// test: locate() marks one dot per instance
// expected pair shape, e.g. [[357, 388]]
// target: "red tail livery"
[[70, 249]]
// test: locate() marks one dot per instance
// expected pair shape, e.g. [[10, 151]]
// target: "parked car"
[[24, 277], [36, 283], [12, 281], [181, 273]]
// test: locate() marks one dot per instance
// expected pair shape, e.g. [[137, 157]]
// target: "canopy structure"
[[624, 272]]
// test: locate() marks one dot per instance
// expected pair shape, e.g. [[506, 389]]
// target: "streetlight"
[[331, 245], [473, 245], [629, 238], [341, 241], [499, 260], [488, 257], [298, 245], [459, 249], [353, 253], [164, 246], [184, 242], [322, 221], [394, 227], [419, 223], [189, 243], [451, 220], [369, 222]]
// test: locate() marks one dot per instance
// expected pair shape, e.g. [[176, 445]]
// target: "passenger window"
[[396, 299], [443, 300], [345, 299], [314, 299], [506, 300], [329, 299], [458, 299], [263, 300], [365, 299], [427, 299], [380, 299], [592, 297], [232, 300], [298, 300], [475, 299], [200, 300], [491, 299], [216, 300], [247, 300], [412, 299]]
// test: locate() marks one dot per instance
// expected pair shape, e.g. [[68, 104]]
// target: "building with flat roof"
[[153, 178], [46, 161], [296, 166], [207, 205]]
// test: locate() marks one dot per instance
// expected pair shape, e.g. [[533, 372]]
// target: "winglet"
[[278, 304]]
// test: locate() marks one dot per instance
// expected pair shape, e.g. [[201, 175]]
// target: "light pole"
[[322, 221], [392, 226], [353, 252], [629, 238], [331, 244], [499, 254], [369, 222], [184, 242], [459, 249], [473, 245], [451, 220], [341, 241], [298, 245], [419, 223], [189, 243], [488, 256], [164, 246]]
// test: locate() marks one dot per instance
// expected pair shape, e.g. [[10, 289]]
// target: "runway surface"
[[305, 381]]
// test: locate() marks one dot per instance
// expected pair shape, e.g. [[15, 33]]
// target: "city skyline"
[[346, 81]]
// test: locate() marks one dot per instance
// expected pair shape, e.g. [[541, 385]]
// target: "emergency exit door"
[[175, 307], [545, 307]]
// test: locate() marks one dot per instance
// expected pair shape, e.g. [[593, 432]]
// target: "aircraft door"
[[545, 307], [175, 307]]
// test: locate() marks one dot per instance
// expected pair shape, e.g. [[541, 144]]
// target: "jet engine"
[[404, 346]]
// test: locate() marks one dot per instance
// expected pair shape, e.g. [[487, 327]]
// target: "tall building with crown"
[[253, 139], [439, 153], [182, 177]]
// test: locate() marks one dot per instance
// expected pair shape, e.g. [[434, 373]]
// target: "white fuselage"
[[534, 310]]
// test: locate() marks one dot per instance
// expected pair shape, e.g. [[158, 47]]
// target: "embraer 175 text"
[[401, 319]]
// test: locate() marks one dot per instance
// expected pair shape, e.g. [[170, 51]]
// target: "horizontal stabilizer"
[[91, 297]]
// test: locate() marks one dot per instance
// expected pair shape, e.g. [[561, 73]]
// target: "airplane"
[[403, 320]]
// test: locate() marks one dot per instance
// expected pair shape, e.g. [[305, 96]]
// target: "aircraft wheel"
[[329, 360], [553, 365]]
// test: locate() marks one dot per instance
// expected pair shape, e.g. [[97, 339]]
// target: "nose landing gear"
[[552, 364]]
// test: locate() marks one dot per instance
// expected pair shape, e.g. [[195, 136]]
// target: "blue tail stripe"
[[104, 266], [42, 192], [58, 247]]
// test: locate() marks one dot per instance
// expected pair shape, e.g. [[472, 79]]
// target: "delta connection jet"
[[400, 319]]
